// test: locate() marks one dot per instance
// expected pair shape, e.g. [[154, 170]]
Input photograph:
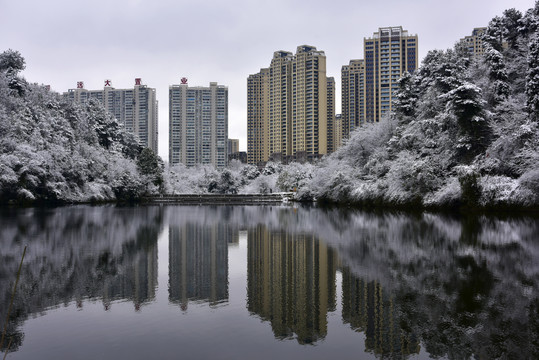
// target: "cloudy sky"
[[161, 41]]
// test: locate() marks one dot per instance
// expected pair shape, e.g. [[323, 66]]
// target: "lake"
[[266, 282]]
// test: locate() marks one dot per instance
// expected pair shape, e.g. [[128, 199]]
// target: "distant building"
[[353, 96], [135, 109], [474, 42], [287, 115], [337, 132], [330, 114], [233, 146], [198, 121], [241, 156]]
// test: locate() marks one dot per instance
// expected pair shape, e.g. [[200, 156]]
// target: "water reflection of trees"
[[459, 288], [466, 288], [76, 253]]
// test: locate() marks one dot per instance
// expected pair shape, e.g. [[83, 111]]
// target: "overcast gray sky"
[[161, 41]]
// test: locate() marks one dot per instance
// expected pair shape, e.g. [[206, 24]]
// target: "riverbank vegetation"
[[53, 151], [464, 131]]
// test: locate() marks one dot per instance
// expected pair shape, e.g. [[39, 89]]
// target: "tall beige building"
[[368, 84], [474, 42], [135, 109], [257, 117], [287, 116]]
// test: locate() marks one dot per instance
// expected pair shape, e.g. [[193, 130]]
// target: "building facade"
[[337, 132], [331, 115], [388, 54], [198, 124], [257, 117], [135, 109], [368, 84], [233, 146], [474, 42], [353, 96], [287, 116]]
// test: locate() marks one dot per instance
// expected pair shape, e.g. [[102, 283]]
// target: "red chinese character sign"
[[184, 81], [137, 81], [108, 83], [80, 84]]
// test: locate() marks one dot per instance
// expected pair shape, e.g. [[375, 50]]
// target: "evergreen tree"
[[406, 97], [148, 163], [105, 126], [496, 33], [497, 74], [12, 62], [532, 78], [512, 21], [467, 104]]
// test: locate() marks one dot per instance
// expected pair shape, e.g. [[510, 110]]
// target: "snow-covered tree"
[[497, 74], [405, 97], [532, 78], [151, 165], [496, 33], [512, 21], [12, 62], [467, 104], [55, 151]]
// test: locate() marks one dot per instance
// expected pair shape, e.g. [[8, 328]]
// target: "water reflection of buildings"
[[198, 263], [370, 309], [291, 283], [139, 275]]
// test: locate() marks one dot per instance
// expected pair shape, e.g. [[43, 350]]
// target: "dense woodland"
[[464, 132], [54, 151]]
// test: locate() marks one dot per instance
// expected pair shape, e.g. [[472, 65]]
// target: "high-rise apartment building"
[[198, 121], [388, 54], [368, 84], [135, 109], [257, 117], [287, 108], [331, 115], [474, 43], [353, 96]]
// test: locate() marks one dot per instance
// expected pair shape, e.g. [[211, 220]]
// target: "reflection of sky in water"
[[428, 280]]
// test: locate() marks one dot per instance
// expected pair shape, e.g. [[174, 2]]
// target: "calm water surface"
[[191, 282]]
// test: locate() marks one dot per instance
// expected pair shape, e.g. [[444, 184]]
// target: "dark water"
[[267, 282]]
